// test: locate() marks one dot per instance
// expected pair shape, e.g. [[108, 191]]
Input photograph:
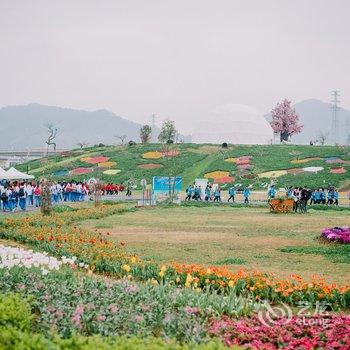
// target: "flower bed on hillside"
[[339, 170], [218, 174], [106, 164], [333, 160], [81, 171], [224, 180], [112, 171], [336, 234], [152, 155], [150, 166], [95, 160], [304, 160]]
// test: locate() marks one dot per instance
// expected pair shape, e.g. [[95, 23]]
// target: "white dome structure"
[[235, 124]]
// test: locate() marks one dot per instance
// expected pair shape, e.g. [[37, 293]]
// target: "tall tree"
[[52, 134], [122, 139], [167, 132], [145, 133], [46, 203], [322, 137], [82, 144], [285, 120]]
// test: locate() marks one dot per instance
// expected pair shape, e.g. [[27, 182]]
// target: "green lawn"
[[238, 237]]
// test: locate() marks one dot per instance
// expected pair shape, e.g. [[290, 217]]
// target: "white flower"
[[14, 256]]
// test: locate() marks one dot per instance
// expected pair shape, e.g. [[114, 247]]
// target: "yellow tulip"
[[126, 268], [154, 282]]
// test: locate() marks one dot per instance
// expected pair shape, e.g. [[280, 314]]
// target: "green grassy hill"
[[194, 161]]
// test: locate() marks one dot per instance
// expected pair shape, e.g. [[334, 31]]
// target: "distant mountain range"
[[316, 116], [24, 127]]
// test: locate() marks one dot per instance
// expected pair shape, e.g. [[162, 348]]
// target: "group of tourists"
[[212, 193], [320, 196], [112, 189], [301, 195], [19, 195]]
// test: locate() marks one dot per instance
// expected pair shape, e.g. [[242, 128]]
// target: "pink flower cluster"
[[316, 332], [337, 234]]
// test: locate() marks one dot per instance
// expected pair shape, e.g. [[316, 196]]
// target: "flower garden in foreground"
[[98, 290]]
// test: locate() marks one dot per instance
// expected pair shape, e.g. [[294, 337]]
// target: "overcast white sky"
[[175, 58]]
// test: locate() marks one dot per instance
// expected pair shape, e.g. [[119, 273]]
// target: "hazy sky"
[[176, 58]]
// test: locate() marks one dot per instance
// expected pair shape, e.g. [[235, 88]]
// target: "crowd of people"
[[212, 193], [302, 196], [18, 195]]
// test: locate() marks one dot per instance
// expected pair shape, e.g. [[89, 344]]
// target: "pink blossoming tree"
[[285, 120]]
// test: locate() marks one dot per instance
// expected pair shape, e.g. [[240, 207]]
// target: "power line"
[[153, 118], [335, 108]]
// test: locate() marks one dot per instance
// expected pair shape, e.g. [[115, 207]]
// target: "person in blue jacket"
[[231, 192], [271, 193], [330, 197], [313, 197], [197, 193], [323, 196], [318, 196], [290, 192], [246, 194], [189, 192], [207, 193], [217, 195], [335, 197]]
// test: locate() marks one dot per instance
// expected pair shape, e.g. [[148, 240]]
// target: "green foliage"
[[329, 207], [14, 312], [13, 339], [167, 132], [338, 253], [16, 334], [230, 261], [62, 208], [145, 133], [123, 307]]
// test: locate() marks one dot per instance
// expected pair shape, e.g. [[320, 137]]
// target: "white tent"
[[13, 174], [3, 174]]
